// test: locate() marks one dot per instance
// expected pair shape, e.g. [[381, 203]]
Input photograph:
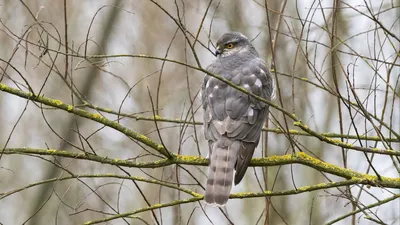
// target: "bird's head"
[[232, 42]]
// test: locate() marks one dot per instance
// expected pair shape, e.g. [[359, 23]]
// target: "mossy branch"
[[298, 158], [160, 148], [343, 144], [226, 81], [271, 130], [92, 116], [245, 195], [198, 196], [352, 177], [156, 206]]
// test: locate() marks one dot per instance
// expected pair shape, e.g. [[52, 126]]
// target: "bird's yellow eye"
[[230, 45]]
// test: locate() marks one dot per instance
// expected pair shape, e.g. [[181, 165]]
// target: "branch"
[[271, 130], [159, 147], [156, 206], [135, 178], [381, 202], [298, 158], [239, 195], [82, 113]]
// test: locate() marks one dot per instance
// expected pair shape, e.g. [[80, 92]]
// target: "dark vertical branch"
[[66, 39], [265, 134], [333, 38], [68, 133]]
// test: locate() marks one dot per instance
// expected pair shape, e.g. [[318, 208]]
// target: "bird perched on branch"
[[233, 119]]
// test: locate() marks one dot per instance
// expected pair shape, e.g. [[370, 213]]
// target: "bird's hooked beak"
[[218, 51]]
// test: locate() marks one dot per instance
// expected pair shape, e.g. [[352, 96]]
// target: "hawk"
[[232, 119]]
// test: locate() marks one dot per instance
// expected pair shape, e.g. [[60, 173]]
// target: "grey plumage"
[[232, 119]]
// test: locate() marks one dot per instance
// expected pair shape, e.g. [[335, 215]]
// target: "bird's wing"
[[234, 114]]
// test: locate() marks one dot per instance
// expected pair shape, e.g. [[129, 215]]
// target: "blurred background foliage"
[[324, 49]]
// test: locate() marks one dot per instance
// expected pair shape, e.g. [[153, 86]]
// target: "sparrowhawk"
[[232, 119]]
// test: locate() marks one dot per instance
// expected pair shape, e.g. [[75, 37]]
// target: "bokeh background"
[[31, 33]]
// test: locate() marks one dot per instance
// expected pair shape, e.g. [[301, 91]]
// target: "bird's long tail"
[[220, 172]]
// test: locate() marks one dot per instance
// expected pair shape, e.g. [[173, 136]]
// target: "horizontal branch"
[[159, 147], [156, 206], [346, 145], [352, 177], [233, 196], [298, 158], [135, 178], [271, 130]]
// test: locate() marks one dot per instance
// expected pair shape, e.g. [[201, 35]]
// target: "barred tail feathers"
[[220, 172]]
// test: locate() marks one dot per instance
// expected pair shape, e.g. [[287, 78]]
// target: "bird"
[[233, 120]]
